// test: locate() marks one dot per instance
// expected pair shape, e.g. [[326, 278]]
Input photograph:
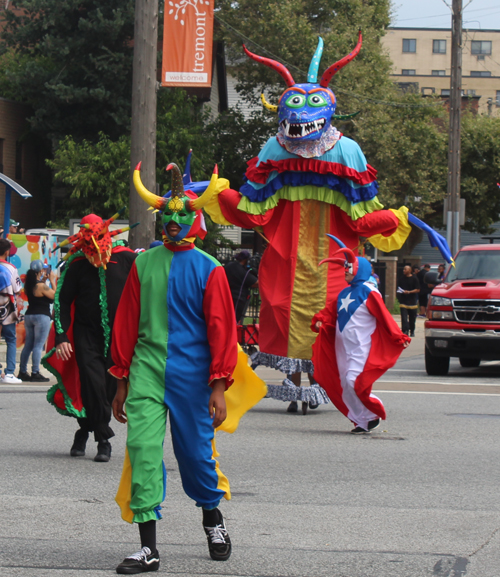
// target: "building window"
[[409, 45], [439, 73], [480, 47], [498, 98], [445, 92], [408, 72], [439, 46], [19, 160], [480, 73], [468, 92]]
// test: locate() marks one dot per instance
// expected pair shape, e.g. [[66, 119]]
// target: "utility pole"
[[143, 138], [453, 215]]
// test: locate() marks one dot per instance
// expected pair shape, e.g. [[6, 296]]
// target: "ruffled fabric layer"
[[314, 394], [286, 365]]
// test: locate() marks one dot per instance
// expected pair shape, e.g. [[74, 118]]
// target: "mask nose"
[[298, 116]]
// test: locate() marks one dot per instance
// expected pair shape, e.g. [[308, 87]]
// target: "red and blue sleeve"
[[228, 202], [126, 326], [221, 326]]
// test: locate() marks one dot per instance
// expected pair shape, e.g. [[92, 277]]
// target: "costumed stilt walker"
[[175, 353], [308, 180], [85, 306], [358, 342]]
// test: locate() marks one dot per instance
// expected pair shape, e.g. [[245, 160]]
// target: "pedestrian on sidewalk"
[[10, 286], [37, 318], [407, 294]]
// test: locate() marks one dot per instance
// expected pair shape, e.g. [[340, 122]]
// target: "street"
[[417, 497]]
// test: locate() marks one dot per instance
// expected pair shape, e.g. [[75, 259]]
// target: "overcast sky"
[[484, 14]]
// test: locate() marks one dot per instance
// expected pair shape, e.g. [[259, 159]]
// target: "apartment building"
[[422, 61]]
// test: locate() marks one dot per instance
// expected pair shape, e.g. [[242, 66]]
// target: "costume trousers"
[[193, 441], [408, 317], [98, 387]]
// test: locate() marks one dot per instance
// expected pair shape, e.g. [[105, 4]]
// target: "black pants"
[[98, 387], [408, 317]]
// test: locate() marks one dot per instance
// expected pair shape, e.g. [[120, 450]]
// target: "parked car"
[[463, 314]]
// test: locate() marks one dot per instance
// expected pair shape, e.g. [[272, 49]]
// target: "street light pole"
[[453, 215], [143, 137]]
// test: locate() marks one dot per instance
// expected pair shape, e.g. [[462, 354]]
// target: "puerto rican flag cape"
[[357, 343]]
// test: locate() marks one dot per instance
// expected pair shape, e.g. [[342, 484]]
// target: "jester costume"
[[173, 337], [306, 181], [85, 306], [358, 342]]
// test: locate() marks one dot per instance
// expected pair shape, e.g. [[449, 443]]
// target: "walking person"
[[425, 289], [37, 319], [241, 279], [408, 289]]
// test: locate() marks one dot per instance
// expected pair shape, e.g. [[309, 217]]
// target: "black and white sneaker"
[[219, 543], [358, 431], [139, 562], [373, 424]]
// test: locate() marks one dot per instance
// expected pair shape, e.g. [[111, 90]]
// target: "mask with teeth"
[[306, 110]]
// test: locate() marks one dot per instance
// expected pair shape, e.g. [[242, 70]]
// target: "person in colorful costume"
[[358, 342], [85, 306], [175, 343], [308, 180]]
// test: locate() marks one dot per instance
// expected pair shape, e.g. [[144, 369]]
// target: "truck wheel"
[[436, 365], [469, 362]]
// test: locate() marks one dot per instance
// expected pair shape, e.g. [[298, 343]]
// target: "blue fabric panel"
[[350, 299]]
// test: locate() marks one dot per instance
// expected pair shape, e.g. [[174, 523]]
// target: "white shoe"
[[10, 380]]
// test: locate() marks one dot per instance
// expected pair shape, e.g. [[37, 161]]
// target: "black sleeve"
[[67, 295], [417, 284], [250, 280]]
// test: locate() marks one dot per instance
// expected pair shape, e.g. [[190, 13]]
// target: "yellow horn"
[[209, 192], [270, 107], [157, 202]]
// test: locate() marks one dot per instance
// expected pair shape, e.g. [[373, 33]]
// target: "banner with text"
[[187, 43]]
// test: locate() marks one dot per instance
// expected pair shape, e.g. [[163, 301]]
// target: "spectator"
[[425, 290], [441, 271], [241, 279], [13, 226], [375, 276], [11, 285], [37, 319], [407, 294]]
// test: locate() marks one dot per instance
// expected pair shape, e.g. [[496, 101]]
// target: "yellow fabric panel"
[[310, 284], [212, 207], [246, 391], [124, 493], [396, 240], [222, 483]]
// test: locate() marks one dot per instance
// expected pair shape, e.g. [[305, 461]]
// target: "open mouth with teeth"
[[301, 129]]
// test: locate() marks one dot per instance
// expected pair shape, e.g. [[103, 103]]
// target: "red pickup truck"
[[463, 316]]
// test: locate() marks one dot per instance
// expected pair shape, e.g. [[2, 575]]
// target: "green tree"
[[71, 60]]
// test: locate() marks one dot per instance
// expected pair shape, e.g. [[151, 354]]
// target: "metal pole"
[[143, 137], [454, 134]]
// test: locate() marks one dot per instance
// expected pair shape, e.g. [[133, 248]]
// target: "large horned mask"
[[306, 110]]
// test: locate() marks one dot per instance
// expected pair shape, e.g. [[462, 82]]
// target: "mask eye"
[[317, 100], [182, 214], [296, 101]]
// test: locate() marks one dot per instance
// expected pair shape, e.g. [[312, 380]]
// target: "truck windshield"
[[475, 264]]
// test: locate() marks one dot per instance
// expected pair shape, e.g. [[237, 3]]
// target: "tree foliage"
[[71, 60]]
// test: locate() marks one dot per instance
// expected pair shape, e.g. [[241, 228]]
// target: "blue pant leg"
[[192, 434], [9, 333], [42, 329], [29, 327]]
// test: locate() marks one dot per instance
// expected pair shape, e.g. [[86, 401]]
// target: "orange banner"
[[187, 43]]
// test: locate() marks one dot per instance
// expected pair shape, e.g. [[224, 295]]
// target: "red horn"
[[282, 70], [334, 68]]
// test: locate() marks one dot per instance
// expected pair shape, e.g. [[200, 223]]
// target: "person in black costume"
[[83, 299], [408, 289], [241, 279]]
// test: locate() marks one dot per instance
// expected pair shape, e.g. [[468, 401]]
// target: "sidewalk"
[[43, 371]]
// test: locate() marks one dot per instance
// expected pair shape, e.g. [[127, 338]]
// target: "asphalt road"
[[418, 497]]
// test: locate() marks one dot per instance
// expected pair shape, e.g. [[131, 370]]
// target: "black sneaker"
[[78, 448], [292, 407], [373, 424], [24, 377], [312, 406], [358, 431], [38, 378], [103, 452], [139, 562], [219, 543]]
